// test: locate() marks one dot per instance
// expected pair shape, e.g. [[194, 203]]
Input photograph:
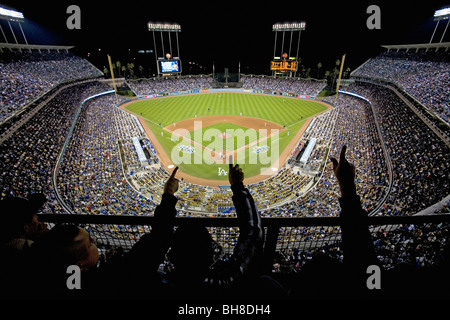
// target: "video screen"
[[168, 66]]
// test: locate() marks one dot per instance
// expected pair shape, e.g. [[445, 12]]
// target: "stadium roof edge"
[[12, 46], [416, 47]]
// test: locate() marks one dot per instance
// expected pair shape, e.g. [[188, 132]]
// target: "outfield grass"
[[161, 112]]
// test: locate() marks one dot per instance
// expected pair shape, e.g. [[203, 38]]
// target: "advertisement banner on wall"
[[149, 96]]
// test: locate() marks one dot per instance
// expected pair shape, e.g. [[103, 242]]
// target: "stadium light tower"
[[15, 16], [279, 63], [441, 14], [168, 64]]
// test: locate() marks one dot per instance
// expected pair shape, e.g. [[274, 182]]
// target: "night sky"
[[228, 32]]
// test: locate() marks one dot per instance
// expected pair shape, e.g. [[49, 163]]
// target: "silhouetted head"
[[18, 217], [191, 250], [66, 245]]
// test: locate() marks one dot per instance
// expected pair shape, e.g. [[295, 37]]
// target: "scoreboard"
[[283, 66], [169, 66]]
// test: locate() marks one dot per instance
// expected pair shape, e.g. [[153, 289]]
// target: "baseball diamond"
[[170, 122]]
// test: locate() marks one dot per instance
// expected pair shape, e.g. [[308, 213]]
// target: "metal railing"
[[283, 236]]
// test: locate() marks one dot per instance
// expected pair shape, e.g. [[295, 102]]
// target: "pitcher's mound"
[[224, 135]]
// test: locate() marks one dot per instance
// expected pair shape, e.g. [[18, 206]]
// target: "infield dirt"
[[247, 122]]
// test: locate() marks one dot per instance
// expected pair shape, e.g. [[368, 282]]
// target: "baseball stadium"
[[251, 159]]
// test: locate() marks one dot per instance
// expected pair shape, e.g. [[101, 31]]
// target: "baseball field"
[[199, 132]]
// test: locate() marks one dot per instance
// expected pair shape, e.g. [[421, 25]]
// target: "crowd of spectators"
[[292, 86], [91, 177], [24, 76], [28, 157], [419, 247], [348, 123], [424, 75], [420, 159], [154, 85]]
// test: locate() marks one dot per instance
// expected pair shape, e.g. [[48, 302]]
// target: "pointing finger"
[[343, 150], [174, 172]]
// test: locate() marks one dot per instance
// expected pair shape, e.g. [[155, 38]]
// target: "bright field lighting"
[[11, 13], [174, 27], [289, 26], [442, 13]]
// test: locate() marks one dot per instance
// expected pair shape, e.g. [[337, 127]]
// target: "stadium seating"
[[424, 74], [419, 157], [145, 86], [100, 172], [282, 85], [24, 76]]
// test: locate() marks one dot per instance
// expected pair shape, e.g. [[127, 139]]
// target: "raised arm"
[[356, 240], [249, 248], [149, 251]]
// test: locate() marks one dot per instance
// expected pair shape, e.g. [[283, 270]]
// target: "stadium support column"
[[445, 30], [298, 48], [178, 47], [432, 36], [274, 50], [162, 42], [239, 72], [15, 39], [339, 79], [154, 48], [170, 45], [275, 44], [4, 35], [23, 34], [290, 44], [112, 77]]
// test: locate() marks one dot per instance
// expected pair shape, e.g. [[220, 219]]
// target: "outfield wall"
[[236, 90]]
